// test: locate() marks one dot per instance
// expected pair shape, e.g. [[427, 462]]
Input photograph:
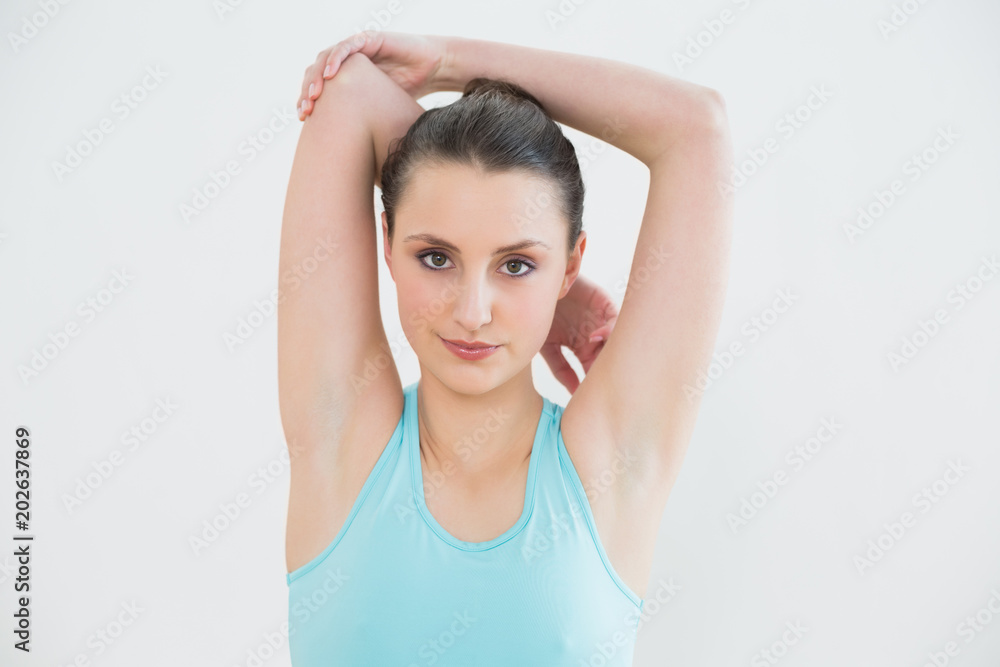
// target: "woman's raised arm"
[[335, 412], [633, 108], [639, 400], [329, 323]]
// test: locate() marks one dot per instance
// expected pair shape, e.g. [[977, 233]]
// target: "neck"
[[477, 440]]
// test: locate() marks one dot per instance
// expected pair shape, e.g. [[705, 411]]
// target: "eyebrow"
[[434, 240]]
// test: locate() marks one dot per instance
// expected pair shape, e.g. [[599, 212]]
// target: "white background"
[[162, 337]]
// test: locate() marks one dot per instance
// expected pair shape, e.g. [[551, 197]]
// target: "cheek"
[[422, 300], [527, 316]]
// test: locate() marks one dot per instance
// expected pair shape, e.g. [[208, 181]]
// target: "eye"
[[436, 256], [521, 263], [516, 267]]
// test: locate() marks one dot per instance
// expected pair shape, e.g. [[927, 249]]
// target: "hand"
[[582, 322], [412, 61]]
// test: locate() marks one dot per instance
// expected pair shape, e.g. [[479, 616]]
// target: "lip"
[[469, 344], [469, 350]]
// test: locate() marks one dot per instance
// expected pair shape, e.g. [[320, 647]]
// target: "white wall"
[[855, 298]]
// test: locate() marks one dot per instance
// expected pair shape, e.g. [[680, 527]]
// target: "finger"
[[328, 63], [604, 331], [588, 355], [334, 62], [338, 54], [327, 66], [600, 333], [302, 104], [553, 356], [312, 83], [316, 76]]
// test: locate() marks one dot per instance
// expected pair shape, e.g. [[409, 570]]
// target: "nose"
[[473, 308]]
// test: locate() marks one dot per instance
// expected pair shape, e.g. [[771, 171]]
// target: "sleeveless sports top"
[[395, 589]]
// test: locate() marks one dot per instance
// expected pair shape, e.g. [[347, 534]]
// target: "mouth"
[[469, 350], [469, 345]]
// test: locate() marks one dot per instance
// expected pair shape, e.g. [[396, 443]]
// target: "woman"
[[465, 519]]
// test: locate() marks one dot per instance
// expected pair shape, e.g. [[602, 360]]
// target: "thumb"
[[553, 356], [601, 333]]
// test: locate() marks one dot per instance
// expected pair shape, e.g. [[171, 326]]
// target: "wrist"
[[448, 76]]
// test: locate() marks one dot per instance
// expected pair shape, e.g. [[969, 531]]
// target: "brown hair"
[[496, 126]]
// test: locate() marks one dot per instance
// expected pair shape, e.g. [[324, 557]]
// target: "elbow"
[[713, 111], [703, 118]]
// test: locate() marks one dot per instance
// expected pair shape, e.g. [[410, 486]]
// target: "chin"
[[464, 377]]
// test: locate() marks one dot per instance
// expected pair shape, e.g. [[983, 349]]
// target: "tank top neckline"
[[416, 479]]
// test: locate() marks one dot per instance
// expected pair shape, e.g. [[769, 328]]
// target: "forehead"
[[464, 202]]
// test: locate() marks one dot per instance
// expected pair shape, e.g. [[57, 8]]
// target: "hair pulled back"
[[496, 126]]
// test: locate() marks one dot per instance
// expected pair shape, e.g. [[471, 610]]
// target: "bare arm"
[[329, 321], [636, 400], [638, 110]]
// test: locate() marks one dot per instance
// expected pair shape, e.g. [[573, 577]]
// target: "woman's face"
[[478, 258]]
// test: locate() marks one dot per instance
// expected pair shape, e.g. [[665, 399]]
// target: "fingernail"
[[326, 72], [312, 87], [596, 338]]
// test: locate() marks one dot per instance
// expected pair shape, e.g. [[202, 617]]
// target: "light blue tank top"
[[395, 589]]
